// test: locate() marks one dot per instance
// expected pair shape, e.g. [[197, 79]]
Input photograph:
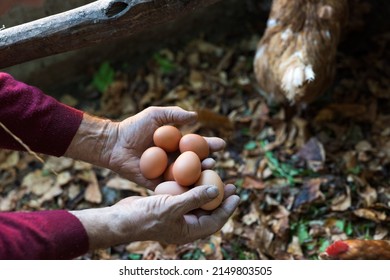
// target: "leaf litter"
[[305, 177]]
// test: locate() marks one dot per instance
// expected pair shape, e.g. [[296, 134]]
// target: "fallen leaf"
[[123, 184], [37, 183], [53, 192], [58, 164], [8, 203], [313, 153], [92, 192], [253, 183], [63, 178], [309, 192], [370, 214], [294, 247], [252, 216], [342, 202], [11, 160]]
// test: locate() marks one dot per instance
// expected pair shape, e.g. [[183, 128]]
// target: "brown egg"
[[210, 177], [167, 137], [195, 143], [186, 169], [168, 175], [170, 187], [153, 162]]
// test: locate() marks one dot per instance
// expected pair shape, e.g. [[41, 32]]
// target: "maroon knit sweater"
[[48, 127]]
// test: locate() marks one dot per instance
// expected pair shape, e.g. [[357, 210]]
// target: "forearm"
[[41, 122], [93, 140], [104, 227]]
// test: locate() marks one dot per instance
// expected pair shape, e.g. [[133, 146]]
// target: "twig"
[[22, 143]]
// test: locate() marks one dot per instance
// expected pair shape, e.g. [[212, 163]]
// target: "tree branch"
[[99, 21]]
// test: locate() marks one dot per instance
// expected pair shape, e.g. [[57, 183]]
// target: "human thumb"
[[195, 198], [177, 115]]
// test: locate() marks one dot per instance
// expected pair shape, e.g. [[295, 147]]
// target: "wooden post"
[[99, 21]]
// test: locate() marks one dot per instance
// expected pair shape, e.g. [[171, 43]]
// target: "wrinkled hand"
[[135, 134], [164, 218]]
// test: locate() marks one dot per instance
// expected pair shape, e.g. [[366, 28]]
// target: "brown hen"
[[295, 59], [358, 250]]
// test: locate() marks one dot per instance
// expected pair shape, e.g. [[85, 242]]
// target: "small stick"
[[20, 141]]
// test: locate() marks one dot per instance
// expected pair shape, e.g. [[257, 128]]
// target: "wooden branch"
[[99, 21]]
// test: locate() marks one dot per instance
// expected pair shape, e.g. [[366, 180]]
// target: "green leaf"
[[166, 66], [133, 256], [251, 145], [340, 224], [103, 77], [324, 244], [303, 234], [348, 229]]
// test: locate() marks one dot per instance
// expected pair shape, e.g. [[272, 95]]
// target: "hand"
[[164, 218], [135, 134], [119, 145]]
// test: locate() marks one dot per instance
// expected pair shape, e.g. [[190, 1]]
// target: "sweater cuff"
[[40, 121], [52, 234]]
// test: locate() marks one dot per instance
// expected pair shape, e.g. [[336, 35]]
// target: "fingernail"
[[212, 191]]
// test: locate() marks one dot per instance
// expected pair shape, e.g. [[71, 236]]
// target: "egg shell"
[[167, 137], [153, 162], [195, 143], [210, 177], [170, 187], [187, 168], [168, 174]]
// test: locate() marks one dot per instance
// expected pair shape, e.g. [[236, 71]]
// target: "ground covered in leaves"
[[306, 176]]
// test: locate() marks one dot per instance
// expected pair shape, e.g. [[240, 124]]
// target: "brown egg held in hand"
[[167, 137], [168, 174], [170, 187], [210, 177], [196, 144], [153, 162], [187, 168]]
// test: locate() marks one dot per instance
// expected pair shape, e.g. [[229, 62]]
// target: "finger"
[[208, 224], [208, 163], [230, 189], [194, 198], [176, 115], [215, 143]]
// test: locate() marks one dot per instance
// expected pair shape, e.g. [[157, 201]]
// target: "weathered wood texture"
[[100, 21]]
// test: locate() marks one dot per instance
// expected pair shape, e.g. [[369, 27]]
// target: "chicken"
[[295, 58], [357, 250]]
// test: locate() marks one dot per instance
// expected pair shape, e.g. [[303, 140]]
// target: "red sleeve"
[[44, 124], [55, 234]]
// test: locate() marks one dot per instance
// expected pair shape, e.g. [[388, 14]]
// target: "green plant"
[[104, 77]]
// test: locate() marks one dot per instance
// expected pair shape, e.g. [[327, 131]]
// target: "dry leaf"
[[342, 202], [370, 214], [196, 80], [8, 203], [10, 161], [253, 183], [63, 178], [92, 192], [58, 164], [313, 153], [36, 183], [294, 247], [123, 184], [252, 216], [309, 192], [54, 191]]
